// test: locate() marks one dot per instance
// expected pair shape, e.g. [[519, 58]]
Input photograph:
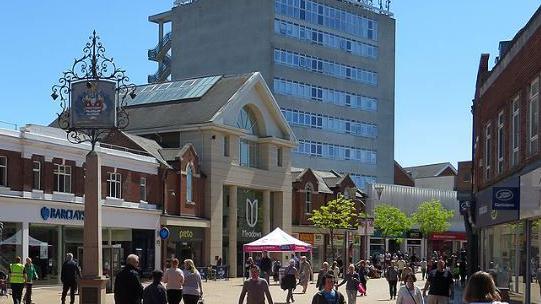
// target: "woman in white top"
[[409, 293], [481, 289], [174, 278]]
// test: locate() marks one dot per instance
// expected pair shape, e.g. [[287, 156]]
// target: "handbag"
[[361, 288]]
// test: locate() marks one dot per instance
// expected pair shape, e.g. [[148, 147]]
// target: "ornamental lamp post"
[[93, 97]]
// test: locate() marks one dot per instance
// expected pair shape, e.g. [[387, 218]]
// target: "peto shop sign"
[[61, 214]]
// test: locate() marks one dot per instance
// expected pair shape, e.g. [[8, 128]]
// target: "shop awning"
[[277, 241], [17, 239]]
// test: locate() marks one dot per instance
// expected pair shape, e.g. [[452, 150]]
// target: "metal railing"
[[162, 47]]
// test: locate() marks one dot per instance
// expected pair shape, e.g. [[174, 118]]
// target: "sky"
[[438, 45]]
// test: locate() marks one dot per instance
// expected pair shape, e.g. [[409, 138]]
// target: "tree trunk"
[[331, 233]]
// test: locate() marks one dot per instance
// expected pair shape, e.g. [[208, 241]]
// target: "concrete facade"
[[218, 139], [237, 36]]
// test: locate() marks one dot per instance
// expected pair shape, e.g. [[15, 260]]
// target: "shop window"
[[308, 198], [3, 171], [248, 154], [114, 183], [62, 178], [143, 189], [500, 142], [36, 175], [488, 147], [515, 131], [189, 184]]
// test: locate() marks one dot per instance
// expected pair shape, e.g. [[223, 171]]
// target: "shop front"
[[186, 243], [414, 244], [317, 242], [447, 243], [503, 239], [46, 230]]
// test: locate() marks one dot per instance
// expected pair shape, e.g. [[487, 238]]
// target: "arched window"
[[246, 120], [189, 180], [308, 198]]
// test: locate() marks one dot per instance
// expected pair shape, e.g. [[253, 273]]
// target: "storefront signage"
[[448, 236], [185, 234], [414, 234], [366, 226], [505, 198], [164, 233], [61, 214], [250, 215], [93, 104], [307, 238]]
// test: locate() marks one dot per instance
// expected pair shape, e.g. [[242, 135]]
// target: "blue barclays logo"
[[62, 214]]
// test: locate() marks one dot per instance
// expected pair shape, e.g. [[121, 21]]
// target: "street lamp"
[[93, 97]]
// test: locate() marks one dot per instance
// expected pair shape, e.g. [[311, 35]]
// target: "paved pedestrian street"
[[225, 292]]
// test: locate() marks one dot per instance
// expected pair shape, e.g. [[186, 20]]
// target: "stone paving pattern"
[[225, 292]]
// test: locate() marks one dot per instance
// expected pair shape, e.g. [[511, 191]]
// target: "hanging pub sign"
[[93, 104]]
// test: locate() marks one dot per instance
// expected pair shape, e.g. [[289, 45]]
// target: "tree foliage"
[[432, 217], [392, 222], [339, 213]]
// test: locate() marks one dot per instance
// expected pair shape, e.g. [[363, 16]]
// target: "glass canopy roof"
[[173, 90]]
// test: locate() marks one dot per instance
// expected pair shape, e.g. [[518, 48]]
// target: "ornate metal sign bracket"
[[92, 70]]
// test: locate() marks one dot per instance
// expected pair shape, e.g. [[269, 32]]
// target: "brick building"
[[506, 160], [311, 190]]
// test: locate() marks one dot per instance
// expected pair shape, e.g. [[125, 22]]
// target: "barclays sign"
[[61, 214], [505, 198]]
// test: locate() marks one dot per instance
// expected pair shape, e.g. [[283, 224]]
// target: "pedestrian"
[[401, 264], [352, 281], [193, 289], [266, 266], [247, 266], [363, 276], [439, 284], [30, 275], [289, 281], [305, 270], [328, 295], [155, 293], [320, 277], [424, 265], [462, 270], [173, 278], [256, 289], [340, 264], [276, 265], [336, 271], [391, 275], [69, 275], [481, 289], [409, 293], [16, 280], [3, 283], [407, 270], [128, 288]]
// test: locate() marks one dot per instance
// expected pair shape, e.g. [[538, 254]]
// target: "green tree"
[[392, 222], [432, 217], [339, 213]]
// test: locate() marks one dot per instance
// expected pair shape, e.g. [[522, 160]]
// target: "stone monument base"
[[92, 290]]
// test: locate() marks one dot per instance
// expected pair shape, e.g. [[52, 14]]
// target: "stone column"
[[266, 212], [232, 226], [215, 233], [92, 285], [25, 231]]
